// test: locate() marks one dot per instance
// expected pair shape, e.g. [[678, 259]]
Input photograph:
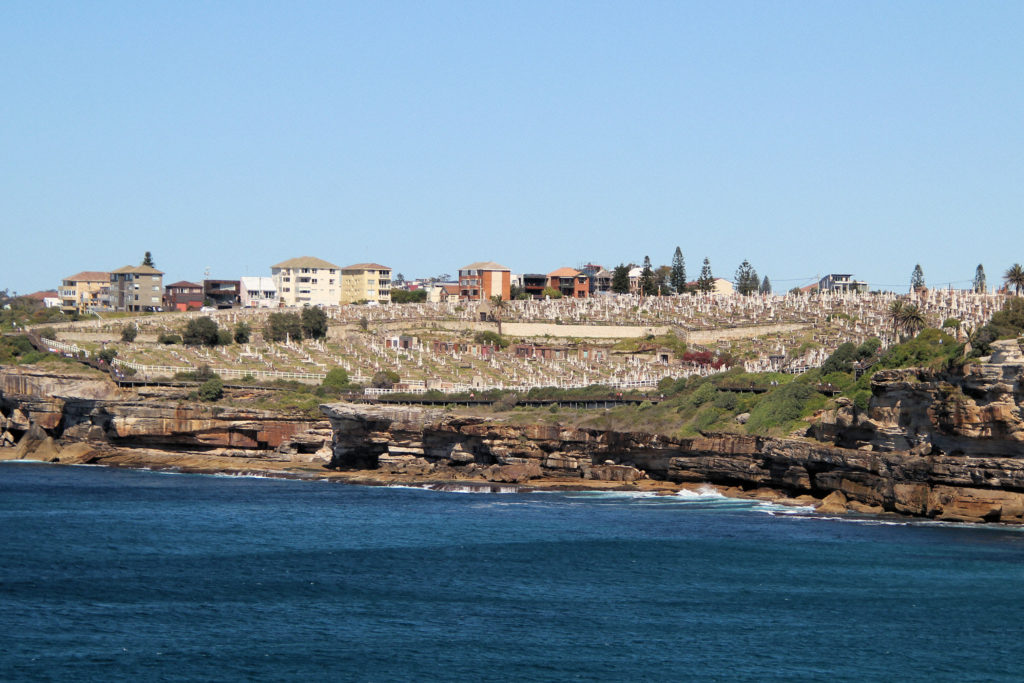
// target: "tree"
[[242, 332], [678, 276], [551, 293], [896, 315], [399, 279], [766, 287], [282, 326], [314, 322], [979, 280], [746, 279], [706, 281], [917, 278], [384, 379], [620, 279], [337, 378], [663, 280], [913, 320], [647, 286], [147, 260], [129, 332], [1015, 278], [200, 332]]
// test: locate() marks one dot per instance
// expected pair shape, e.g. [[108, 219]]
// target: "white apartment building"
[[307, 281]]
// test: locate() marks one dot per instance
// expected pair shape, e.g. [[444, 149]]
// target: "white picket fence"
[[53, 344]]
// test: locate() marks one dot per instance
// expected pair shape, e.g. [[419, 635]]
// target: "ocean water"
[[129, 575]]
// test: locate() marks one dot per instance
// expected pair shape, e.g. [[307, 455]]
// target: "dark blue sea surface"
[[128, 575]]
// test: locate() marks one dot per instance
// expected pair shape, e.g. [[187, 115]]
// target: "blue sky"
[[807, 137]]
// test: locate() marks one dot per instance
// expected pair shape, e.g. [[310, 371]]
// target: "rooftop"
[[304, 262], [138, 270], [366, 266], [485, 265], [184, 283], [90, 276], [564, 272]]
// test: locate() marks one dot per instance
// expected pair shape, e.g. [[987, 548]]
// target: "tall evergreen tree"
[[746, 279], [678, 276], [647, 285], [148, 260], [620, 279], [979, 280], [766, 287], [706, 281], [917, 278]]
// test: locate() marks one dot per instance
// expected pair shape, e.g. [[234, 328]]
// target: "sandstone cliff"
[[947, 446]]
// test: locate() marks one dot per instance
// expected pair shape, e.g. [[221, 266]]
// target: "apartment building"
[[365, 282], [481, 280], [136, 288], [307, 281], [84, 292]]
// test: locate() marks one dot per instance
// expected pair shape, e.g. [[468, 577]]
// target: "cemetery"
[[620, 341]]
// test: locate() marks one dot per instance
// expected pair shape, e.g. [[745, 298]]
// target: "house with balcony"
[[222, 293], [84, 292], [183, 296], [481, 280], [135, 289], [257, 292], [534, 284], [841, 282], [570, 282], [365, 282], [307, 281]]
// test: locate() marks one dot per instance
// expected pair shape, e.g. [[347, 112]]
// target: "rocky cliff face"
[[930, 445], [82, 408]]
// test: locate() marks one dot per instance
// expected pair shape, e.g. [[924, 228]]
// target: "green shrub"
[[201, 332], [129, 333], [706, 392], [726, 400], [212, 389], [224, 337], [107, 355], [779, 409], [492, 338], [930, 348], [242, 333], [337, 378], [169, 338]]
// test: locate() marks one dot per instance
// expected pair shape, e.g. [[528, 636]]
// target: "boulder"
[[834, 503]]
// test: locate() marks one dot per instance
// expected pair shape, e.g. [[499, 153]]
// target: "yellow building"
[[366, 282], [84, 292]]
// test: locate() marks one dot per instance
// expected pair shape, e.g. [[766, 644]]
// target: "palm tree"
[[1015, 278], [896, 315], [913, 320]]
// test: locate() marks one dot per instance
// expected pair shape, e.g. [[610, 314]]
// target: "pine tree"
[[647, 284], [917, 278], [706, 281], [746, 279], [678, 276], [148, 260], [766, 287], [979, 280], [620, 279]]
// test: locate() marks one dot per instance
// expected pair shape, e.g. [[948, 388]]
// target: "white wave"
[[702, 493]]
